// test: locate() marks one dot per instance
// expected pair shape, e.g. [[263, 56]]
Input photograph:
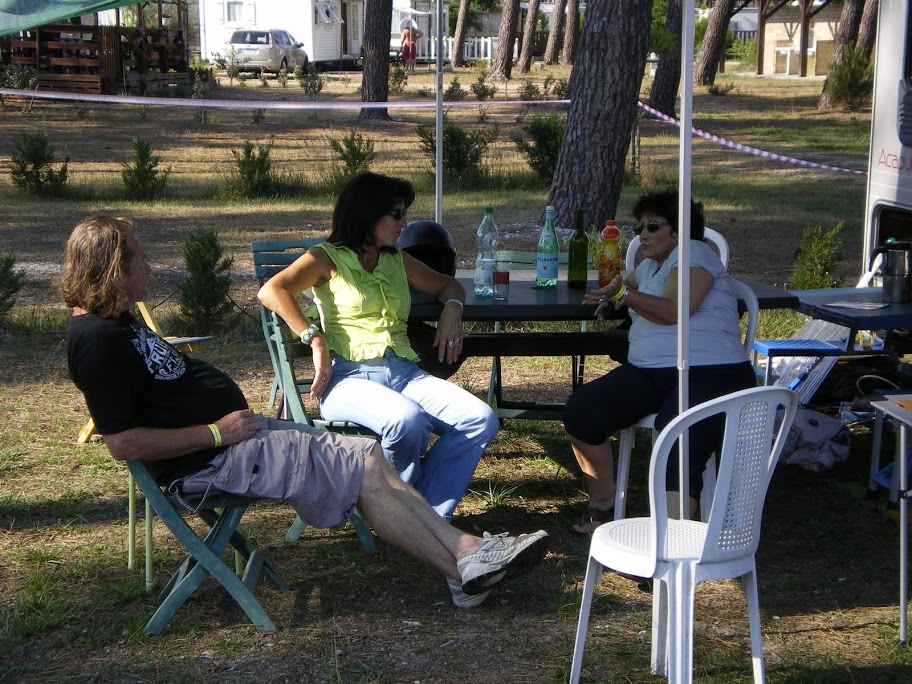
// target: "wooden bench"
[[74, 83]]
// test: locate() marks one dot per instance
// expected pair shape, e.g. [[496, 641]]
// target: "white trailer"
[[888, 206]]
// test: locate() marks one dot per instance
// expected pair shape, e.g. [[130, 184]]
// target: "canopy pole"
[[684, 194], [438, 153]]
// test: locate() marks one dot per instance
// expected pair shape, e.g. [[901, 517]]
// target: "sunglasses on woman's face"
[[651, 227], [397, 213]]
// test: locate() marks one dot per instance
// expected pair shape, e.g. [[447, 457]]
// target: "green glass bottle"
[[546, 256], [578, 258]]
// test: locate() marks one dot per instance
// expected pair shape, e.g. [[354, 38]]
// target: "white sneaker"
[[501, 559], [464, 600]]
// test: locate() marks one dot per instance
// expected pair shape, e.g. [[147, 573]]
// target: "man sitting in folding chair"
[[191, 424]]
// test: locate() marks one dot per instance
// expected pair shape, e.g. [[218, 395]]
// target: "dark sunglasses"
[[652, 226], [397, 213]]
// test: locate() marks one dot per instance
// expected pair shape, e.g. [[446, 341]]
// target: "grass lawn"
[[71, 611]]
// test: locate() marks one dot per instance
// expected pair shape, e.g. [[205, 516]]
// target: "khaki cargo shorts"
[[317, 472]]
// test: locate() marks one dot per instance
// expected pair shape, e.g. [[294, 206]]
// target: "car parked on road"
[[267, 50]]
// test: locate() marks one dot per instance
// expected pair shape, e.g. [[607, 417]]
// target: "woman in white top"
[[648, 382]]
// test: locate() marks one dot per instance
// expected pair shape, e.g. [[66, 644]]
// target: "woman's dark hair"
[[664, 203], [365, 199]]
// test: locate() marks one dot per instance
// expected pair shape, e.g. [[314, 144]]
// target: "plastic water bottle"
[[578, 257], [609, 259], [548, 249], [486, 257]]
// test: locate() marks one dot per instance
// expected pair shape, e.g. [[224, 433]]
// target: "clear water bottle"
[[486, 257], [548, 249], [578, 257]]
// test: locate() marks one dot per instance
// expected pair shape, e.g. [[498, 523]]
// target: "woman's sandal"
[[591, 519]]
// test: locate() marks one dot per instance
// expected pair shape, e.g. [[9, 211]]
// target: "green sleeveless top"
[[363, 314]]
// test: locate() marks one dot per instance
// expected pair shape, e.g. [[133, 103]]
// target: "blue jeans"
[[404, 405]]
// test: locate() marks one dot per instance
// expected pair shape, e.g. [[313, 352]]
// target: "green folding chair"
[[222, 513]]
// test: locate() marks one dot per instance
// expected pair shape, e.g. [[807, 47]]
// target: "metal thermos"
[[896, 268]]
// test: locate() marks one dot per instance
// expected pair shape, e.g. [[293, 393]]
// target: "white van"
[[888, 207]]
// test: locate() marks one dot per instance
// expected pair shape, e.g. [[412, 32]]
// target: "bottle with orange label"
[[609, 258]]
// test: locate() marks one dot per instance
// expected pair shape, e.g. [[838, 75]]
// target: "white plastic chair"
[[679, 554], [628, 435], [710, 235]]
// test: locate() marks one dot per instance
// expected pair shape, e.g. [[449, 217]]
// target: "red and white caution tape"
[[747, 148]]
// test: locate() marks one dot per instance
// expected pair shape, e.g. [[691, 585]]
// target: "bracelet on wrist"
[[456, 302], [620, 293], [216, 434], [620, 301], [308, 334]]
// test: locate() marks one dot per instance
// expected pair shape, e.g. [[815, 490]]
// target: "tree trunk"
[[846, 32], [554, 33], [502, 64], [457, 59], [378, 20], [528, 44], [605, 82], [867, 29], [707, 60], [570, 31], [664, 91]]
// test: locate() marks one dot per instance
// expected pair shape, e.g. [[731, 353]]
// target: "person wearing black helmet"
[[365, 366]]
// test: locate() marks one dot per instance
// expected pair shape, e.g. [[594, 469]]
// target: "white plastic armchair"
[[679, 554]]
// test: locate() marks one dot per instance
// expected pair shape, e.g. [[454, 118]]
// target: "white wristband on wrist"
[[456, 302]]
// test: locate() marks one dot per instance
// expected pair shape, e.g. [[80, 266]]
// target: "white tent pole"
[[438, 153], [684, 157]]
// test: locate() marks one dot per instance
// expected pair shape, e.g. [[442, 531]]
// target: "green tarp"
[[18, 15]]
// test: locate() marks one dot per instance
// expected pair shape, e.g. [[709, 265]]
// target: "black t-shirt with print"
[[132, 378]]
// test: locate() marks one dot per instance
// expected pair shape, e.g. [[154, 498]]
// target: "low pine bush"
[[851, 81], [354, 152], [10, 283], [816, 259], [462, 149], [142, 178], [541, 150], [32, 170], [253, 167], [398, 78], [203, 297], [454, 92]]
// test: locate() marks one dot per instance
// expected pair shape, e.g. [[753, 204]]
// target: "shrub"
[[355, 152], [10, 283], [142, 178], [257, 115], [312, 83], [282, 78], [398, 78], [462, 149], [454, 91], [31, 169], [231, 62], [745, 51], [200, 88], [17, 77], [482, 90], [816, 259], [546, 134], [203, 297], [562, 89], [851, 81], [529, 91], [254, 170], [721, 89]]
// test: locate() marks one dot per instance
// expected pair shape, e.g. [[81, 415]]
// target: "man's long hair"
[[96, 257]]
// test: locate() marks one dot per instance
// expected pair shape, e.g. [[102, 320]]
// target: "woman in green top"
[[365, 369]]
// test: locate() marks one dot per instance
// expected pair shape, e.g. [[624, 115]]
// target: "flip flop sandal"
[[592, 515]]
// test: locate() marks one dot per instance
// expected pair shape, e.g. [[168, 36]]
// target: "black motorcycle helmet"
[[430, 243]]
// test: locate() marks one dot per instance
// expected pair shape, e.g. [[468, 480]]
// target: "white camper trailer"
[[888, 207]]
